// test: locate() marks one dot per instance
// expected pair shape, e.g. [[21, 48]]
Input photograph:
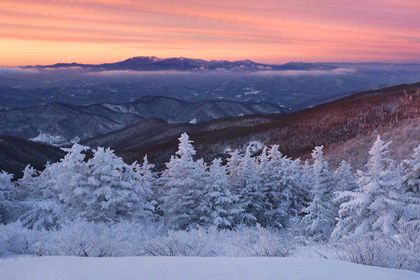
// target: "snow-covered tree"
[[184, 180], [319, 219], [146, 187], [282, 187], [411, 179], [250, 189], [411, 186], [51, 200], [376, 206], [219, 207], [6, 194], [109, 194], [345, 181], [233, 169]]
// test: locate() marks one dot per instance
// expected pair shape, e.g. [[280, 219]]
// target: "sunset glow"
[[93, 31]]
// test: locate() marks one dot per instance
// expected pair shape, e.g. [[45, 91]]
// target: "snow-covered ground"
[[185, 268]]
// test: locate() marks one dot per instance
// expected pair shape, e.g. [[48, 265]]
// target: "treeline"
[[268, 189]]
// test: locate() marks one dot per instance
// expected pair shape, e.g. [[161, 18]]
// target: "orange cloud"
[[46, 31]]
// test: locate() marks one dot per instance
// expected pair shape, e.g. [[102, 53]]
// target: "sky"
[[271, 31]]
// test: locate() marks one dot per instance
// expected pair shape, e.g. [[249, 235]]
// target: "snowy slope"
[[185, 268]]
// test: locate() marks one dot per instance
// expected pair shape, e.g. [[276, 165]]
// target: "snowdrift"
[[191, 268]]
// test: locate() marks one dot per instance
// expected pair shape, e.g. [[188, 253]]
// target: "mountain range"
[[346, 127], [152, 63], [59, 123]]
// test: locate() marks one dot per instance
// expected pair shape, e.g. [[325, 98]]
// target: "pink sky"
[[93, 31]]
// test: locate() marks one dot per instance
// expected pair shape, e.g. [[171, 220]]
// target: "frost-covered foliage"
[[89, 239], [411, 179], [378, 204], [6, 192], [101, 188], [401, 251], [183, 180], [319, 218], [92, 203]]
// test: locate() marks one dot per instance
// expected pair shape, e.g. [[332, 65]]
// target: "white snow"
[[186, 268], [49, 139]]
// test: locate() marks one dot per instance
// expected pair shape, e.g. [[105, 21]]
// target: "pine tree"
[[52, 199], [183, 180], [233, 169], [250, 190], [282, 187], [218, 206], [109, 193], [376, 206], [345, 181], [6, 194], [319, 218], [147, 188], [345, 178], [411, 179], [411, 185]]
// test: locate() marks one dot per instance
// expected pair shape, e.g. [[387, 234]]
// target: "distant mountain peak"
[[153, 63]]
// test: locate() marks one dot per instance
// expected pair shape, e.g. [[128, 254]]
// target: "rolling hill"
[[335, 125]]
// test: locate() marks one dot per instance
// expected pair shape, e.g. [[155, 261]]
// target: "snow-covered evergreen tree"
[[377, 205], [345, 181], [219, 207], [319, 219], [110, 193], [51, 200], [411, 179], [282, 187], [233, 169], [147, 187], [184, 180], [251, 193], [6, 194], [411, 185]]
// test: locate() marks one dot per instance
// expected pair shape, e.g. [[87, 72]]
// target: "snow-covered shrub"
[[400, 252], [79, 238], [16, 239], [195, 242], [241, 242], [100, 239]]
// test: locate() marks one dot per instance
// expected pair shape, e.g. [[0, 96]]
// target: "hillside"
[[330, 124], [16, 154], [58, 123]]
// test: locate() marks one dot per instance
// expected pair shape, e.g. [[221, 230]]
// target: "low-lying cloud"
[[292, 73]]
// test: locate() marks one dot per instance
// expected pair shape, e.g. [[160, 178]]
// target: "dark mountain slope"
[[17, 153], [296, 133], [58, 123]]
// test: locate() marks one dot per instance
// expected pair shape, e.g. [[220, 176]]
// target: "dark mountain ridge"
[[59, 123], [152, 63], [17, 153], [297, 133]]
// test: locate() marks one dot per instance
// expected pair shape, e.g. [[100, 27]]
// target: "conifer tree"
[[377, 205], [319, 219], [184, 180], [219, 207]]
